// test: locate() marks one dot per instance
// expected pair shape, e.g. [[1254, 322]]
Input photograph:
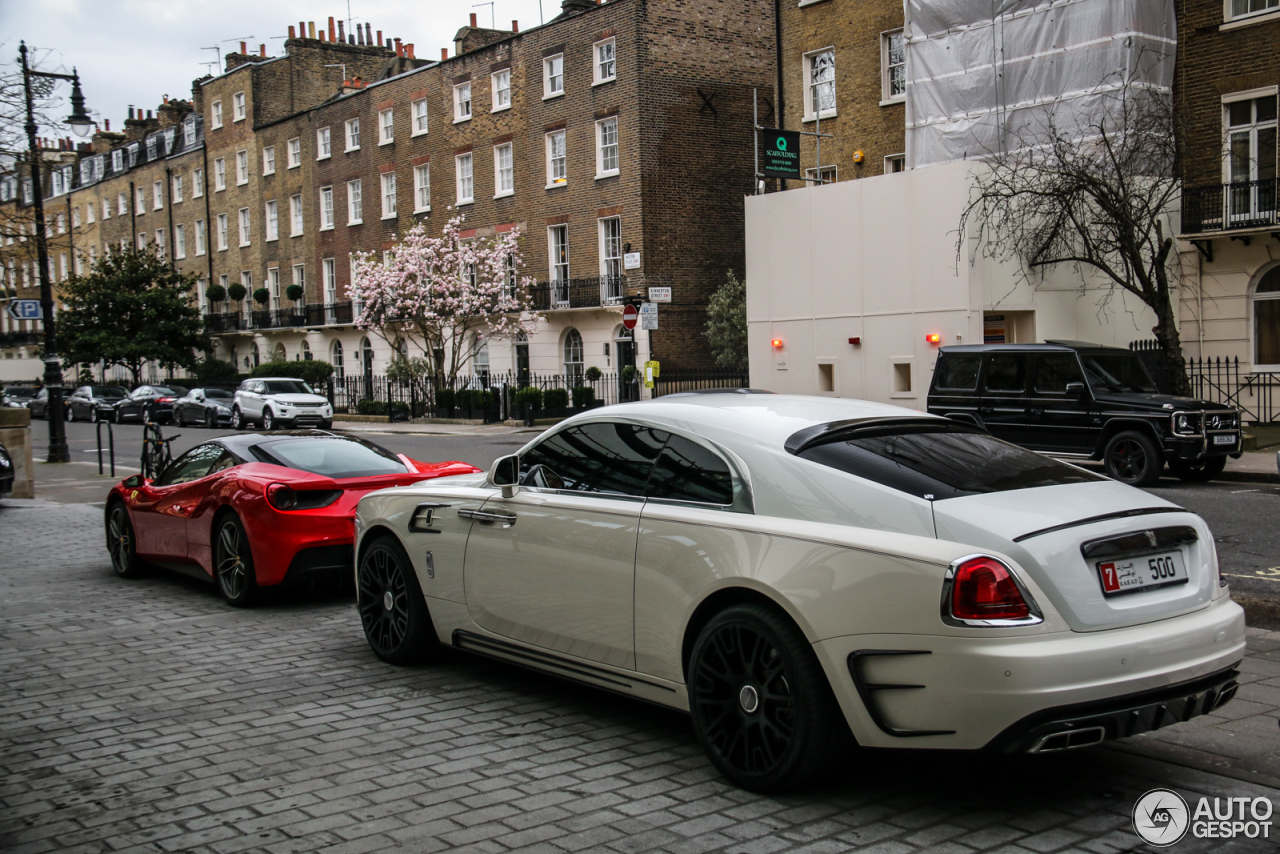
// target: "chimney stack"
[[262, 50], [473, 19], [243, 50], [368, 35], [333, 33], [311, 29], [408, 50], [444, 54], [380, 41], [342, 36], [108, 123], [515, 26], [291, 32], [399, 48]]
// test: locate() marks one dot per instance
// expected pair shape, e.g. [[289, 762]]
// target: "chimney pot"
[[380, 41], [291, 32], [311, 29], [262, 50], [368, 35], [333, 33], [408, 49], [243, 50], [444, 53], [108, 123], [148, 114], [515, 26], [342, 36], [473, 19], [399, 48]]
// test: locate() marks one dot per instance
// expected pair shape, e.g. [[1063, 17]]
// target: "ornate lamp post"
[[81, 125]]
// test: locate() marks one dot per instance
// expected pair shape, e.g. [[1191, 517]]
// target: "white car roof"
[[289, 379]]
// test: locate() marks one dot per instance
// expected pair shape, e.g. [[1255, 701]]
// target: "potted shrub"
[[295, 293], [583, 397], [593, 374], [525, 402], [216, 293], [261, 295], [236, 291]]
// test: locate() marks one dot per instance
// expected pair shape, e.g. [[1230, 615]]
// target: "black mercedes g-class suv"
[[1071, 399]]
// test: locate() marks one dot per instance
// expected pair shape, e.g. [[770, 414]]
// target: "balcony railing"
[[312, 314], [593, 292], [19, 339], [1224, 207]]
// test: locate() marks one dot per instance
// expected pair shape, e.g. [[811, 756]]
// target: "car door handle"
[[507, 520], [1035, 411]]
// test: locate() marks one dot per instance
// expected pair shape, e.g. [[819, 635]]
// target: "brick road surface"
[[148, 716]]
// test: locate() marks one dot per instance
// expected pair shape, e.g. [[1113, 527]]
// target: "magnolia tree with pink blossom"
[[445, 294]]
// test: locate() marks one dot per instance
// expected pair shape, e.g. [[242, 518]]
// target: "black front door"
[[627, 389], [522, 364]]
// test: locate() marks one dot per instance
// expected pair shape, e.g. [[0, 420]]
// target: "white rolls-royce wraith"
[[802, 574]]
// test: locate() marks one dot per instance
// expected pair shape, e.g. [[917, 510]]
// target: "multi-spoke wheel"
[[392, 609], [268, 419], [237, 419], [761, 704], [1131, 457], [233, 562], [121, 543]]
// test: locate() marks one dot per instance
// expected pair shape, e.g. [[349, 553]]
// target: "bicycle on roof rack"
[[156, 451]]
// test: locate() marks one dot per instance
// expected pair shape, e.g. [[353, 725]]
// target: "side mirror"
[[134, 482], [506, 474], [1076, 389]]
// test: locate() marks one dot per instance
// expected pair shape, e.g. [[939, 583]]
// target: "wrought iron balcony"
[[312, 314], [19, 339], [1226, 207], [594, 292]]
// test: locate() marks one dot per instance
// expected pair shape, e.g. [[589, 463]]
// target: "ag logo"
[[1161, 817]]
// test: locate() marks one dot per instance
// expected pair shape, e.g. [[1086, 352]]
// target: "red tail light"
[[281, 497], [165, 399], [984, 589], [284, 497]]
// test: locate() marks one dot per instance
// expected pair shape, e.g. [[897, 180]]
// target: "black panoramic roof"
[[240, 443], [1046, 347]]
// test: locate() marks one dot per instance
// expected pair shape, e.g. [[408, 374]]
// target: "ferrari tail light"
[[284, 497], [281, 497], [983, 588]]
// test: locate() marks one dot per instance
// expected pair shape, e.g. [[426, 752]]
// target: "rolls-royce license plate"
[[1145, 572]]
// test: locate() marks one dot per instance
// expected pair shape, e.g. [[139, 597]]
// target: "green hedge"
[[313, 371], [469, 398], [210, 370], [583, 397], [371, 407], [555, 398], [532, 397]]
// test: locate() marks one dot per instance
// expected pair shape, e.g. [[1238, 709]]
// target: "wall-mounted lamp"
[[777, 343], [933, 338]]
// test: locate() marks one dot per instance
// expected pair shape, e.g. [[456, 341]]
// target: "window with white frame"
[[90, 212], [117, 160], [122, 201], [422, 188], [200, 237], [197, 183], [215, 114], [179, 242], [176, 193], [222, 231], [124, 244], [295, 152], [606, 64], [557, 169], [189, 132], [504, 179], [573, 357], [895, 163], [220, 174], [157, 195], [273, 287], [419, 111], [151, 147], [558, 251], [295, 215], [140, 199], [826, 173], [386, 127], [322, 143], [106, 208], [611, 248], [326, 208], [75, 215], [388, 195], [237, 107], [329, 274], [353, 134], [893, 66], [355, 203], [142, 240], [1250, 167], [820, 84], [273, 220], [1247, 8], [553, 76], [607, 147], [466, 184], [242, 167], [462, 102], [300, 279], [244, 227], [1266, 320], [269, 160], [500, 85], [246, 279]]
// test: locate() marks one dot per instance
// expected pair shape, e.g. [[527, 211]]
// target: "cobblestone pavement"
[[148, 716]]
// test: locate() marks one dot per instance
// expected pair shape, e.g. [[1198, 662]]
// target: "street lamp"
[[81, 125]]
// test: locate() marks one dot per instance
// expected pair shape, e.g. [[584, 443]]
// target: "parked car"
[[1072, 399], [39, 405], [249, 511], [149, 403], [7, 472], [17, 396], [208, 406], [91, 402], [279, 402], [796, 570]]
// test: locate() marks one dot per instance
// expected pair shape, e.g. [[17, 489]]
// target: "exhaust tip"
[[1070, 740]]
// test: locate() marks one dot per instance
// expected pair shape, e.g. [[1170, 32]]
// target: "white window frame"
[[175, 194], [324, 143], [219, 174], [202, 239], [245, 223], [157, 195], [598, 61], [106, 208], [189, 132], [809, 60], [329, 279], [554, 267], [550, 65], [467, 181], [601, 171], [553, 180], [351, 133], [496, 88], [272, 214], [295, 152], [273, 288], [459, 102], [75, 214], [215, 114], [296, 222], [179, 241], [197, 183], [610, 262], [1254, 298], [386, 126], [388, 182], [886, 85], [890, 159], [326, 208], [160, 242], [419, 117], [269, 160], [504, 175], [830, 174], [123, 201], [242, 167], [140, 199], [355, 202], [422, 188], [300, 279], [223, 235], [238, 111], [1229, 14]]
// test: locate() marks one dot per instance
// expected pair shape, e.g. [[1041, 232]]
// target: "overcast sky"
[[138, 51]]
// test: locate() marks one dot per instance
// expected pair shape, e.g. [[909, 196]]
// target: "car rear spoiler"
[[841, 431]]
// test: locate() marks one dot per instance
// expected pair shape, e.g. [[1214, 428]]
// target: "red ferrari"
[[254, 510]]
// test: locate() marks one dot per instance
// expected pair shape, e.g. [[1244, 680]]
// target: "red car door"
[[173, 497]]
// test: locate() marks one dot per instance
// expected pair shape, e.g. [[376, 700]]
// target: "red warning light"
[[777, 343], [933, 338]]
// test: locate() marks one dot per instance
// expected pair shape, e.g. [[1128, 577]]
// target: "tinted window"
[[958, 372], [1118, 372], [609, 458], [1007, 372], [686, 471], [192, 465], [18, 391], [110, 392], [288, 387], [331, 457], [1055, 370], [218, 393], [945, 462]]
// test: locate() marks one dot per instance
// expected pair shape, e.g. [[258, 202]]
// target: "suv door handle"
[[1037, 410], [507, 520]]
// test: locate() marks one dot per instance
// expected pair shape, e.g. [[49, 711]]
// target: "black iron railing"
[[676, 381], [591, 292], [312, 314], [1223, 207], [19, 339], [1220, 380]]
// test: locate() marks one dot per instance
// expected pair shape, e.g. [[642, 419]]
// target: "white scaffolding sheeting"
[[980, 72]]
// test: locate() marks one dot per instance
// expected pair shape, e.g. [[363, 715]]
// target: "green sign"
[[781, 153]]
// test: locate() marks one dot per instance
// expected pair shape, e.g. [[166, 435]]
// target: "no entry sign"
[[630, 316]]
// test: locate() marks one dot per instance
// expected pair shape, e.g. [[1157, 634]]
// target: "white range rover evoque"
[[794, 571]]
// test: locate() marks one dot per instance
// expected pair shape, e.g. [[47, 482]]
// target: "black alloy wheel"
[[121, 544], [761, 704], [393, 611], [1131, 457], [233, 562], [210, 419], [268, 419], [1201, 472]]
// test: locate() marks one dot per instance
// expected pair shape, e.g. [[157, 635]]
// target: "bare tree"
[[1096, 193]]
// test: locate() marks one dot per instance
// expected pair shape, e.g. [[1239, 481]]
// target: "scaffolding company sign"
[[781, 153]]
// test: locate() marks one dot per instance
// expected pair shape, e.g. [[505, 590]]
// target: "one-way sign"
[[24, 309]]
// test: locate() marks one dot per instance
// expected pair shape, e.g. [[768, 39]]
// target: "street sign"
[[781, 153], [631, 261], [24, 309], [649, 315], [629, 316], [659, 294], [650, 373]]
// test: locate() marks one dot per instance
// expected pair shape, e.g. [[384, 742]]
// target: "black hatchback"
[[1072, 399]]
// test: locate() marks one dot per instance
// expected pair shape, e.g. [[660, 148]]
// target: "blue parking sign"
[[24, 309]]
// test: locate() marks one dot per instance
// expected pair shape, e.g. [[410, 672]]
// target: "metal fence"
[[1222, 207], [1220, 380], [676, 381]]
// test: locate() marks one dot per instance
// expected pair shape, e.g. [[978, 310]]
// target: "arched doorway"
[[257, 355], [624, 344], [366, 363], [572, 358], [1266, 321], [335, 356], [278, 353], [306, 352]]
